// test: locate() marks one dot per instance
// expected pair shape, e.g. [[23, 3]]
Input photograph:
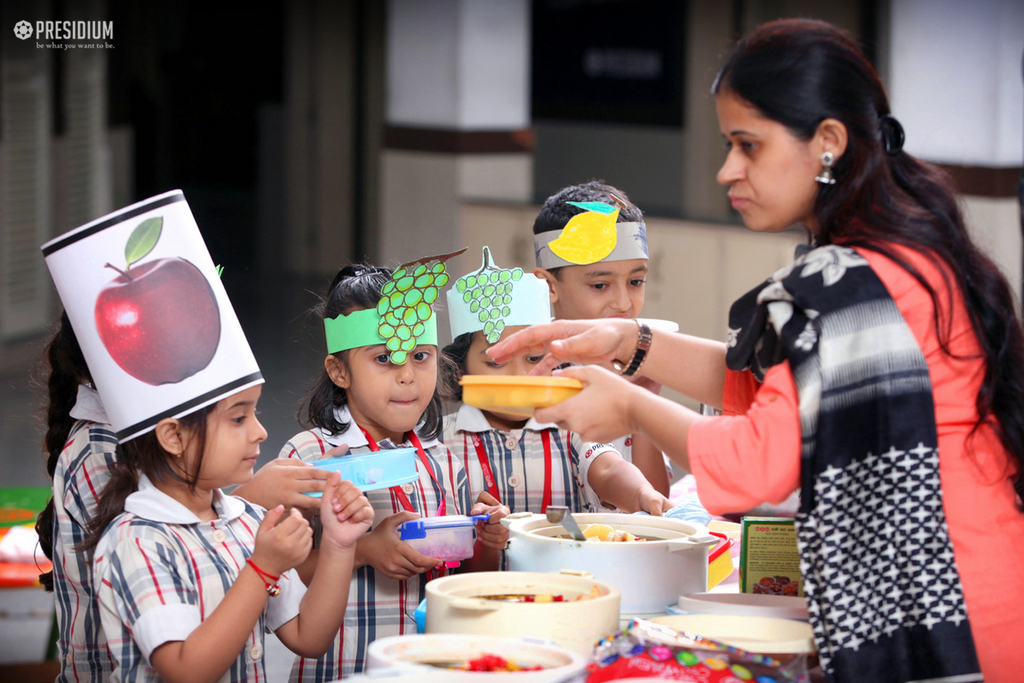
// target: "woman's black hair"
[[65, 369], [145, 455], [456, 353], [800, 72], [358, 287]]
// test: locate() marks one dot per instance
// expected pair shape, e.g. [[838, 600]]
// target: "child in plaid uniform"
[[365, 401], [519, 461], [188, 578], [82, 447]]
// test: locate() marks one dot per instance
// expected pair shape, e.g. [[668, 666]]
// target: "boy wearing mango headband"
[[590, 243]]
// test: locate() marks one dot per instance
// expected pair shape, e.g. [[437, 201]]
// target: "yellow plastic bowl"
[[516, 394]]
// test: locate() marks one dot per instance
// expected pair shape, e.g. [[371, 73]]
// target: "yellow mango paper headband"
[[589, 237]]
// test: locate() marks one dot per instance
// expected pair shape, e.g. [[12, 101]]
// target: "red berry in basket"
[[766, 581]]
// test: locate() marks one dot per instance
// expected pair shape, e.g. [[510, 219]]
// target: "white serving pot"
[[651, 574], [414, 654], [454, 605]]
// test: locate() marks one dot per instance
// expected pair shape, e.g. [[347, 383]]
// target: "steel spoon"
[[560, 514]]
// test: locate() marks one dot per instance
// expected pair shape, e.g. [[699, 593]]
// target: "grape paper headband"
[[589, 237], [403, 318], [492, 298]]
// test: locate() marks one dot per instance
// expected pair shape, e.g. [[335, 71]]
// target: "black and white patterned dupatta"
[[883, 590]]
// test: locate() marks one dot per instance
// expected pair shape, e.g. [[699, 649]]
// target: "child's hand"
[[653, 502], [394, 558], [283, 541], [344, 512], [492, 533], [284, 481]]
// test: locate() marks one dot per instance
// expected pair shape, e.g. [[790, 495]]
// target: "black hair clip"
[[892, 134]]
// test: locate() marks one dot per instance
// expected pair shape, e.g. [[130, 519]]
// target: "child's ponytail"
[[66, 371]]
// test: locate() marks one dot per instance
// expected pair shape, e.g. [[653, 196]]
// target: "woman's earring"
[[827, 160]]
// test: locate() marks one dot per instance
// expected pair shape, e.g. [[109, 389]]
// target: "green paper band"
[[359, 329]]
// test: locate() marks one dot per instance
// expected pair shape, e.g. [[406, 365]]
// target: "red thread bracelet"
[[269, 580]]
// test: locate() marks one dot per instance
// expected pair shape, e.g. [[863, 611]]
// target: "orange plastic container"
[[517, 394]]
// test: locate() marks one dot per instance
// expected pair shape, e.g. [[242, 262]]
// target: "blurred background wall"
[[309, 134]]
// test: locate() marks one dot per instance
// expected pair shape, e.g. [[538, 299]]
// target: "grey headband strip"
[[630, 243]]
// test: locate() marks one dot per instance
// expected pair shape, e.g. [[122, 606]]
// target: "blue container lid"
[[417, 528], [373, 471]]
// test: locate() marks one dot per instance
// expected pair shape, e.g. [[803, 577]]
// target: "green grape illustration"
[[405, 303], [488, 292]]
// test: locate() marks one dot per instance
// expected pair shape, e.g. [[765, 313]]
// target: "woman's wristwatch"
[[643, 345]]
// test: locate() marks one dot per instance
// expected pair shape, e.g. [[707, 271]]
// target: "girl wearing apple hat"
[[81, 447], [378, 390], [187, 578]]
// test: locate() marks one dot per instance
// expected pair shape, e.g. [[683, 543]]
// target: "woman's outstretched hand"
[[576, 341], [601, 411]]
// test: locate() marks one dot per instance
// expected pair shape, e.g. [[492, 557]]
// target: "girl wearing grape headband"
[[379, 390], [522, 463]]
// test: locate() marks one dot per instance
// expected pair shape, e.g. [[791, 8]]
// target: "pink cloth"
[[751, 455]]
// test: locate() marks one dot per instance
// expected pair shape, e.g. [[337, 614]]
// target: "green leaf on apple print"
[[143, 239]]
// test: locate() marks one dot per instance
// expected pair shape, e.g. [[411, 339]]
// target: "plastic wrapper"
[[649, 650]]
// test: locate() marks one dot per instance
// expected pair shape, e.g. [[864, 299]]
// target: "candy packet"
[[648, 650]]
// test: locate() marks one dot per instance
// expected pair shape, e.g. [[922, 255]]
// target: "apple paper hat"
[[404, 316], [589, 237], [492, 298], [151, 315]]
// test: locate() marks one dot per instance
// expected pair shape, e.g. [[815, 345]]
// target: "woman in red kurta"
[[810, 140], [739, 462]]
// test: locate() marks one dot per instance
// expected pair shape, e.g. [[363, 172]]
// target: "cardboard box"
[[769, 558]]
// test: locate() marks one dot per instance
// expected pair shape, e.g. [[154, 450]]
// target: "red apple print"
[[159, 321]]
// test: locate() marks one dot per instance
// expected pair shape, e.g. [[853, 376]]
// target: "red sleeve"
[[743, 460], [739, 391]]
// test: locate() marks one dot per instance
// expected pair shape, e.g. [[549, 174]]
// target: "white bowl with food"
[[663, 558], [464, 657], [570, 609]]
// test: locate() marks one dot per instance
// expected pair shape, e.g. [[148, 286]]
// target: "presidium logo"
[[65, 30]]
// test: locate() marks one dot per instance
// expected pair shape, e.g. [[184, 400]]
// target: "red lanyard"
[[397, 490], [492, 485]]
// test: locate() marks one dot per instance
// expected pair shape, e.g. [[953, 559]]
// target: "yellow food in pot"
[[598, 531], [603, 532]]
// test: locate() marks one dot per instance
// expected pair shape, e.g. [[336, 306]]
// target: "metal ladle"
[[559, 514]]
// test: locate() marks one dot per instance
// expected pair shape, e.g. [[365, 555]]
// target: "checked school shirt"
[[378, 606], [161, 571], [517, 461], [81, 473]]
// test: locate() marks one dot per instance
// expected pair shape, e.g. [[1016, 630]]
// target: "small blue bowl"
[[373, 471]]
